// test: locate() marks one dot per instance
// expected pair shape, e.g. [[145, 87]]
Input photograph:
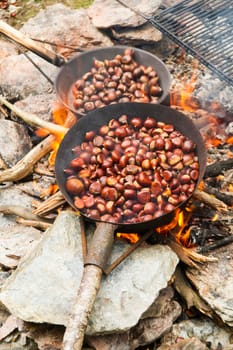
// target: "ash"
[[213, 89]]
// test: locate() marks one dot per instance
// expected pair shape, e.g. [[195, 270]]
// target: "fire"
[[230, 140], [49, 191], [131, 237], [183, 98], [178, 226], [60, 117]]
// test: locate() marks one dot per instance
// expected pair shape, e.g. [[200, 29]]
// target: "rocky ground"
[[41, 266]]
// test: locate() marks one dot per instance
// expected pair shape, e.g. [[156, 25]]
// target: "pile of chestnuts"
[[132, 170], [120, 79]]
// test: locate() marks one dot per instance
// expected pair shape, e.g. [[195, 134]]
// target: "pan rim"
[[96, 51], [134, 105]]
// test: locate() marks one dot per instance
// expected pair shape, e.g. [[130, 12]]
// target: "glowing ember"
[[230, 140], [49, 191]]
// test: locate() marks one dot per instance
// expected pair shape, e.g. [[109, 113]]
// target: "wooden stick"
[[210, 200], [33, 120], [89, 287], [32, 223], [183, 287], [129, 251], [22, 212], [53, 202], [218, 167], [188, 256], [99, 250], [83, 238], [25, 166], [28, 43], [215, 245]]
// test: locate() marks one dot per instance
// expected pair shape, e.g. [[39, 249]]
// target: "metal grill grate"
[[204, 28]]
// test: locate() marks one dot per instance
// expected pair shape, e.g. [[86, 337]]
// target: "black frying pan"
[[93, 120], [83, 62], [102, 241]]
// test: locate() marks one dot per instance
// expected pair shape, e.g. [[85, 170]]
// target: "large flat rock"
[[110, 13], [62, 25], [214, 282], [44, 286]]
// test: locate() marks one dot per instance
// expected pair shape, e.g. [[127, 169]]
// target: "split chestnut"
[[130, 171]]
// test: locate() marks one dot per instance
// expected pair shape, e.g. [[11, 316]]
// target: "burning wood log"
[[209, 200], [218, 167], [188, 256], [25, 166]]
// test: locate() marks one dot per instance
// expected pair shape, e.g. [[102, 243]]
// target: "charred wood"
[[224, 197], [218, 167], [215, 245], [209, 200]]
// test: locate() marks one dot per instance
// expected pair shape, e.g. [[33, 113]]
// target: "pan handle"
[[28, 43], [98, 254]]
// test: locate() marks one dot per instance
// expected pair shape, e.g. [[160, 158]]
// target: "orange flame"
[[183, 98], [230, 140], [49, 191], [178, 226], [61, 117], [131, 237]]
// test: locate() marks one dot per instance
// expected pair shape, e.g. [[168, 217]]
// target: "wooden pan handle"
[[31, 45], [95, 262]]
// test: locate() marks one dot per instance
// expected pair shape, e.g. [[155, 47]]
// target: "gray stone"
[[131, 288], [11, 195], [14, 142], [185, 344], [145, 34], [64, 26], [203, 329], [40, 105], [16, 242], [157, 320], [15, 239], [40, 186], [7, 49], [26, 79], [214, 282], [110, 13], [57, 263]]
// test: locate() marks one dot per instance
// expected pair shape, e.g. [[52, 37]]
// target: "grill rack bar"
[[204, 29]]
